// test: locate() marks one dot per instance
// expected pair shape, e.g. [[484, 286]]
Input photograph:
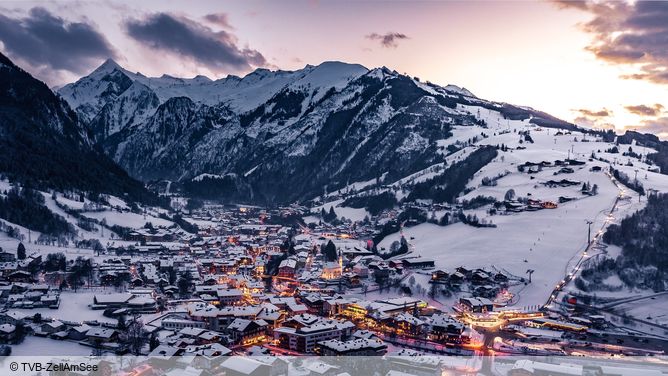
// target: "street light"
[[589, 234]]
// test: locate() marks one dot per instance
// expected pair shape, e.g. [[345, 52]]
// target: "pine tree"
[[330, 251], [21, 252], [331, 215], [403, 248]]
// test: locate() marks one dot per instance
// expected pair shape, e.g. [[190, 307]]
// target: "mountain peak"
[[108, 66], [459, 90], [201, 78]]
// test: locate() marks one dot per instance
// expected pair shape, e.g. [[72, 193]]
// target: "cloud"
[[184, 37], [593, 118], [644, 110], [591, 113], [220, 19], [47, 43], [631, 34], [658, 127], [594, 123], [388, 40], [580, 4]]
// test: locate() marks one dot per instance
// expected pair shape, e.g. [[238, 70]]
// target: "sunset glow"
[[536, 54]]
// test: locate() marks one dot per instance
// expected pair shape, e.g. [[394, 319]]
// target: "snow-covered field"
[[41, 346], [353, 214], [128, 219], [74, 307]]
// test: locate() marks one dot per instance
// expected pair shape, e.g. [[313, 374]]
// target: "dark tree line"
[[374, 204], [644, 235], [25, 207], [328, 216], [627, 181], [448, 185]]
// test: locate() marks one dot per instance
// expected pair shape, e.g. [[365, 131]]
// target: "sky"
[[599, 64]]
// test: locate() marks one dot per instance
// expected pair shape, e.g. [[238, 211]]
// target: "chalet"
[[242, 366], [7, 256], [20, 276], [464, 271], [477, 305], [417, 263], [246, 332], [296, 309], [444, 328], [530, 167], [457, 278], [305, 338], [500, 278], [561, 183], [78, 333], [229, 296], [513, 206], [527, 367], [110, 301], [12, 317], [408, 323], [361, 270], [7, 333], [191, 332], [52, 327], [314, 302], [563, 199], [287, 268], [164, 356], [487, 291], [209, 337], [101, 335], [175, 323], [352, 347], [479, 276], [31, 262], [272, 315], [575, 162], [439, 276], [596, 169]]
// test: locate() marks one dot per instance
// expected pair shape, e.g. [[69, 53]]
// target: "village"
[[259, 282]]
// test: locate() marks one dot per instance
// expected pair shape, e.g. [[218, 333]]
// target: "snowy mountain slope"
[[314, 129], [134, 106]]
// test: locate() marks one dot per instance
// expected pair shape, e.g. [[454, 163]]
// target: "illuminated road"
[[591, 246]]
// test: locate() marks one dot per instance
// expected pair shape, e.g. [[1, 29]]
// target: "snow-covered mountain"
[[106, 84], [279, 136]]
